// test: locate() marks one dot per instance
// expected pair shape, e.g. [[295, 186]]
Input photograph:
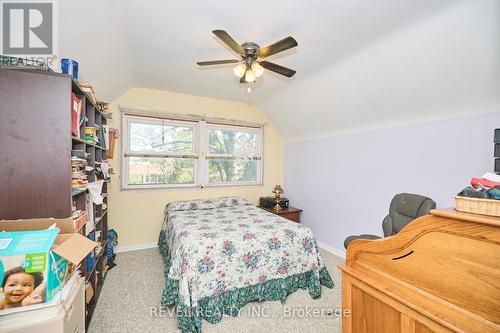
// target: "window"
[[168, 153], [233, 155], [159, 153]]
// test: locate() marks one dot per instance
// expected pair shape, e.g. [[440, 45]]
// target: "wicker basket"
[[478, 206]]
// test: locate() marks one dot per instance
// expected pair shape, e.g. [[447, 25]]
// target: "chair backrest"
[[405, 207]]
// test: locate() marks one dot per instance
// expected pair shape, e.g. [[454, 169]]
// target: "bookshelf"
[[96, 228], [37, 146]]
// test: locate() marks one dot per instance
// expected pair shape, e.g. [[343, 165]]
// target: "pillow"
[[207, 203]]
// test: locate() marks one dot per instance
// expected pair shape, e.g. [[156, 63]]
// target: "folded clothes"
[[484, 182], [481, 192], [491, 176], [494, 192]]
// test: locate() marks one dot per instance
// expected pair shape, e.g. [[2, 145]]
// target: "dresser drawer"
[[290, 213], [75, 317], [292, 216]]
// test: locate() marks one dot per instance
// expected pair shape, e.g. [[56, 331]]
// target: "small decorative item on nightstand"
[[281, 208], [278, 191]]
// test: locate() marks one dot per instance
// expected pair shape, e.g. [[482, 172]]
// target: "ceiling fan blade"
[[217, 62], [282, 45], [277, 68], [229, 41]]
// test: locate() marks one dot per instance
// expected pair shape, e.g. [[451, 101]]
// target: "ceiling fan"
[[249, 67]]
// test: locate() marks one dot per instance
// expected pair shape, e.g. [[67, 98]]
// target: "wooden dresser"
[[441, 273]]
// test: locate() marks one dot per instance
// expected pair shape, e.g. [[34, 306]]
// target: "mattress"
[[222, 253]]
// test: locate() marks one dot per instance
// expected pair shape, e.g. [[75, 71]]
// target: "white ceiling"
[[445, 67], [155, 44], [123, 44]]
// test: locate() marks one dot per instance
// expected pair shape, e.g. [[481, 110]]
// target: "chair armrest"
[[387, 226]]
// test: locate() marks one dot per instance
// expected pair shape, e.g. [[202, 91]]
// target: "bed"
[[222, 253]]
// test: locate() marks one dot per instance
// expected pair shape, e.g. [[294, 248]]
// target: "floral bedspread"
[[222, 253]]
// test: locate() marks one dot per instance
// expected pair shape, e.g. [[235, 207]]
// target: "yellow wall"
[[137, 214]]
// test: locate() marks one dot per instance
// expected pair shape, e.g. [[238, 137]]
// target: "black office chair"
[[405, 207]]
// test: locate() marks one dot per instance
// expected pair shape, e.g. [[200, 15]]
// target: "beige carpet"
[[133, 289]]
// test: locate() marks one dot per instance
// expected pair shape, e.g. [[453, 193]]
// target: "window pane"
[[232, 142], [153, 170], [161, 138], [232, 170]]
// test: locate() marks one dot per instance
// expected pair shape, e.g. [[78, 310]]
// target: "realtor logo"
[[28, 28]]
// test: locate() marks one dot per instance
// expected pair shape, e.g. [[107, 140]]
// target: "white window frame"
[[126, 152], [259, 136], [201, 152]]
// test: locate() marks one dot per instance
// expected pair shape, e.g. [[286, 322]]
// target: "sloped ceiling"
[[353, 56], [445, 67]]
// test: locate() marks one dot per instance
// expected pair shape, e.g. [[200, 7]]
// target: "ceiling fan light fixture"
[[248, 67], [240, 70], [249, 76], [257, 69]]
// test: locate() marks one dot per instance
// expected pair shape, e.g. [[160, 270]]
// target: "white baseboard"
[[135, 247], [337, 252]]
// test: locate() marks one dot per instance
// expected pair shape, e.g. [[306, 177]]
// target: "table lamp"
[[278, 191]]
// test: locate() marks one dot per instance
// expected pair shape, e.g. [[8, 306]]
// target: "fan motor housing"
[[250, 48]]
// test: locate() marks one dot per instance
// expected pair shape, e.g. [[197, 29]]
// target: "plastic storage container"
[[69, 66]]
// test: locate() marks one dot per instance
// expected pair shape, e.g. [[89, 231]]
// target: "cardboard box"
[[36, 262], [80, 221]]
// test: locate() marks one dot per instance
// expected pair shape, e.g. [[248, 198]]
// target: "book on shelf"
[[101, 135], [76, 153], [91, 134], [82, 119], [76, 115], [87, 88], [79, 218], [105, 130], [78, 174]]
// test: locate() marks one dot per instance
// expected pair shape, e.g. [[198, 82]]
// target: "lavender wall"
[[345, 183]]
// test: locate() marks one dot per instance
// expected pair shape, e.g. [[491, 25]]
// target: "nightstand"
[[290, 213]]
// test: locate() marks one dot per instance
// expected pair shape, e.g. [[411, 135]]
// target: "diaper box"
[[37, 258]]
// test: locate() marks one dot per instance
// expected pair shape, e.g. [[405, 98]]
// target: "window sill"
[[234, 184], [157, 187], [187, 186]]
